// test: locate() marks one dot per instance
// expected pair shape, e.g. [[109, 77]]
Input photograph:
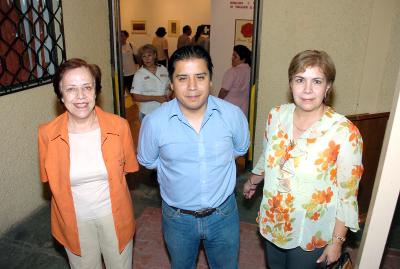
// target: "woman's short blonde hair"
[[314, 58], [144, 49]]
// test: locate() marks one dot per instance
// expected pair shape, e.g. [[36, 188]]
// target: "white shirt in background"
[[128, 64]]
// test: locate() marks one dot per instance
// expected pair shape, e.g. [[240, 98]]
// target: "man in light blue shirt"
[[193, 141]]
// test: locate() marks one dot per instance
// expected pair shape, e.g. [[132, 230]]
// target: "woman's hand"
[[162, 98], [331, 253], [250, 186]]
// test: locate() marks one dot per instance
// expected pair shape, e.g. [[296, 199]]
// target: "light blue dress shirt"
[[195, 170]]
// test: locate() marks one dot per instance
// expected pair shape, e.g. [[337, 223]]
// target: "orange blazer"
[[119, 157]]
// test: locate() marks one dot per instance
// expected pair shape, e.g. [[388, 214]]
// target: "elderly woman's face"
[[149, 58], [78, 93], [309, 89]]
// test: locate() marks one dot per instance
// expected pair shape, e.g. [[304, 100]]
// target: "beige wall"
[[20, 189], [362, 36]]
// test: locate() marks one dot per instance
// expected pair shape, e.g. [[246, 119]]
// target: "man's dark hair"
[[186, 53], [161, 32], [186, 28]]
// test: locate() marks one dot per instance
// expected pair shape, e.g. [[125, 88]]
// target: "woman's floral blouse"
[[308, 182]]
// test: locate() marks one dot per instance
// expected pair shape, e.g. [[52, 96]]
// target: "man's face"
[[191, 84]]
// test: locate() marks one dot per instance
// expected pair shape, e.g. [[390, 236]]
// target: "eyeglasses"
[[74, 90]]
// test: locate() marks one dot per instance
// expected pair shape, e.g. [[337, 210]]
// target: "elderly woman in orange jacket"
[[84, 155]]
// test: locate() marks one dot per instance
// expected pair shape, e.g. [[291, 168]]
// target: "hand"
[[331, 253], [248, 188], [161, 99]]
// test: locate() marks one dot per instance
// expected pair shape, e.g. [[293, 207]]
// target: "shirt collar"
[[106, 126], [211, 107]]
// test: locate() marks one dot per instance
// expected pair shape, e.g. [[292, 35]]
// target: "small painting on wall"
[[173, 28], [138, 27], [244, 33]]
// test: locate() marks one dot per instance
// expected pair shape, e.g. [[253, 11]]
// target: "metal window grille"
[[31, 43]]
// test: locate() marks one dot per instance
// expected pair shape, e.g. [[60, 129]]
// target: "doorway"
[[138, 18]]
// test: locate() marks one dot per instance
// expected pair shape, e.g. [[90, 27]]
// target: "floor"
[[29, 244]]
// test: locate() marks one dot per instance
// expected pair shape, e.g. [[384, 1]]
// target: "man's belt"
[[198, 213]]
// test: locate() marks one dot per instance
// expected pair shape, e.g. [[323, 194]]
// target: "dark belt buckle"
[[203, 213]]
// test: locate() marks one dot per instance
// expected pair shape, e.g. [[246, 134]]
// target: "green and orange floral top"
[[308, 182]]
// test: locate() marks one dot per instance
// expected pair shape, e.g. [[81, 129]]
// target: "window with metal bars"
[[31, 43]]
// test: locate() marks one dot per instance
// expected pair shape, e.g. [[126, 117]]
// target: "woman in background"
[[161, 44], [84, 155], [235, 86], [151, 83], [129, 62], [311, 166], [201, 39]]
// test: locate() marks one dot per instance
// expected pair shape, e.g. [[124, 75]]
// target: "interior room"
[[363, 38]]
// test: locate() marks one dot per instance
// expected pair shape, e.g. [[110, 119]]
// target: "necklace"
[[305, 129], [298, 128]]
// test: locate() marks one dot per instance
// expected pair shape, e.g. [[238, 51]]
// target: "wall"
[[384, 196], [362, 37], [20, 189], [222, 36], [156, 13]]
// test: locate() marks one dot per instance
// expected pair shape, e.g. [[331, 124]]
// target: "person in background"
[[161, 44], [311, 166], [201, 39], [84, 155], [151, 83], [129, 61], [184, 39], [236, 81], [193, 141]]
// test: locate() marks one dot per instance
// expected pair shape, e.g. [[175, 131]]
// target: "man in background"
[[185, 39]]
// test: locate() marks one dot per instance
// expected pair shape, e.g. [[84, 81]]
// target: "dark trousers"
[[163, 62], [128, 83], [296, 258]]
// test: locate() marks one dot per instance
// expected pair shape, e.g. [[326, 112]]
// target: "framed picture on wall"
[[174, 28], [138, 27], [244, 33]]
